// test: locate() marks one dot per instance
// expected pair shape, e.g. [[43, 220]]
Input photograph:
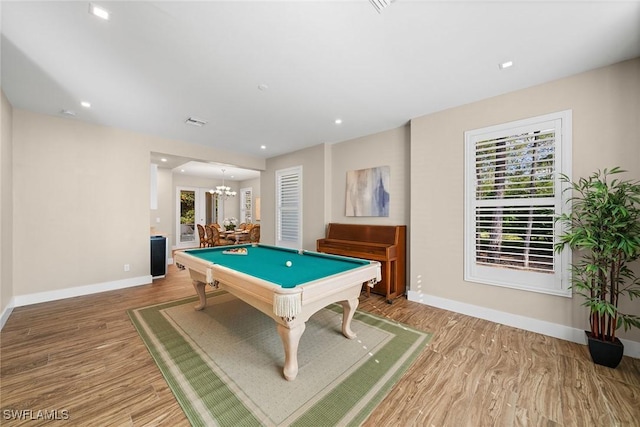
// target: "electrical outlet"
[[127, 267]]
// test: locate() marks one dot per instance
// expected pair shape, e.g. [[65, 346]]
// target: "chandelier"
[[223, 190]]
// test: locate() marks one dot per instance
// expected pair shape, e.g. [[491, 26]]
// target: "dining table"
[[237, 236]]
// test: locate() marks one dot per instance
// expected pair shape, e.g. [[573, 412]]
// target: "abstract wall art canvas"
[[368, 192]]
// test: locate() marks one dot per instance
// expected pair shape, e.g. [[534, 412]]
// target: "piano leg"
[[392, 291], [388, 279]]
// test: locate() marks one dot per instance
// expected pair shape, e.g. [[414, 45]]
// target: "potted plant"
[[230, 223], [604, 226]]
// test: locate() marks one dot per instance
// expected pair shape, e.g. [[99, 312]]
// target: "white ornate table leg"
[[290, 340], [348, 310], [199, 287]]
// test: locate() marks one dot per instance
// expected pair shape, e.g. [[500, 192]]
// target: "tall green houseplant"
[[604, 226]]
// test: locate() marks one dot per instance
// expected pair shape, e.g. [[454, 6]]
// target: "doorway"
[[195, 206]]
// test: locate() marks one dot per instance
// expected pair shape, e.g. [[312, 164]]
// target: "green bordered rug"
[[224, 363]]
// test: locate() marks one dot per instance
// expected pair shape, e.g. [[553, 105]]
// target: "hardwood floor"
[[82, 358]]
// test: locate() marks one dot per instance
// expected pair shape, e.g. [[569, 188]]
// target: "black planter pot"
[[605, 353]]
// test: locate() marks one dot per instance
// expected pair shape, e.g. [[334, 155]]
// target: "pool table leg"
[[348, 310], [290, 340], [199, 287]]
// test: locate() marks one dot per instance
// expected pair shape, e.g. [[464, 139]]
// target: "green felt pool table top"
[[269, 263]]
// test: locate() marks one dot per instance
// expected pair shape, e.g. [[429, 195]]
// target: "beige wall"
[[389, 148], [6, 203], [81, 204], [161, 220], [606, 125], [324, 173], [81, 192], [312, 161]]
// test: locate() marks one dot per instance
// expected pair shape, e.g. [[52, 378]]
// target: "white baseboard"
[[7, 312], [21, 300], [631, 348]]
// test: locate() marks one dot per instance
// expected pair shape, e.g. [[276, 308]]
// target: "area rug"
[[224, 363]]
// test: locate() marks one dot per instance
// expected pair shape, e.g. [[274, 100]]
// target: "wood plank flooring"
[[83, 356]]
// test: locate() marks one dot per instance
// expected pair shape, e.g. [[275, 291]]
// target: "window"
[[246, 205], [187, 213], [289, 207], [512, 196]]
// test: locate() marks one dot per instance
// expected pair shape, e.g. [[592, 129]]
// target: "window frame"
[[558, 282]]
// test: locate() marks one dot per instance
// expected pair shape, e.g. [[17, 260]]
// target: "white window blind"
[[246, 205], [289, 207], [512, 196]]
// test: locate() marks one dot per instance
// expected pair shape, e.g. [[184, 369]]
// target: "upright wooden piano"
[[384, 243]]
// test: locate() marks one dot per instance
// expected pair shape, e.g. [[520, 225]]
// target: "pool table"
[[290, 294]]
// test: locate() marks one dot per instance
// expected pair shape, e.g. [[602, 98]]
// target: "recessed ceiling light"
[[338, 121], [504, 65], [163, 159], [182, 170], [263, 87], [68, 113], [263, 147], [99, 11], [85, 104]]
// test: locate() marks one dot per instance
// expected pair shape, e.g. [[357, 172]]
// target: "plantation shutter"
[[289, 207], [512, 198], [515, 201], [246, 205]]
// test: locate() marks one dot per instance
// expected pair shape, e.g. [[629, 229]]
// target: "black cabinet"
[[158, 256]]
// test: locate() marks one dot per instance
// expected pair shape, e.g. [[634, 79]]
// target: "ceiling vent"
[[195, 122], [379, 5]]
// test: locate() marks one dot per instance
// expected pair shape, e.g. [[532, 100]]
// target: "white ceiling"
[[154, 64], [216, 171], [204, 169]]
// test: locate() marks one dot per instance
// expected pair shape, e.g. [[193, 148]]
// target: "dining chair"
[[202, 235], [254, 234], [210, 232], [217, 239]]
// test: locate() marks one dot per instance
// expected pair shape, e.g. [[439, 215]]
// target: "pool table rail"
[[266, 293]]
